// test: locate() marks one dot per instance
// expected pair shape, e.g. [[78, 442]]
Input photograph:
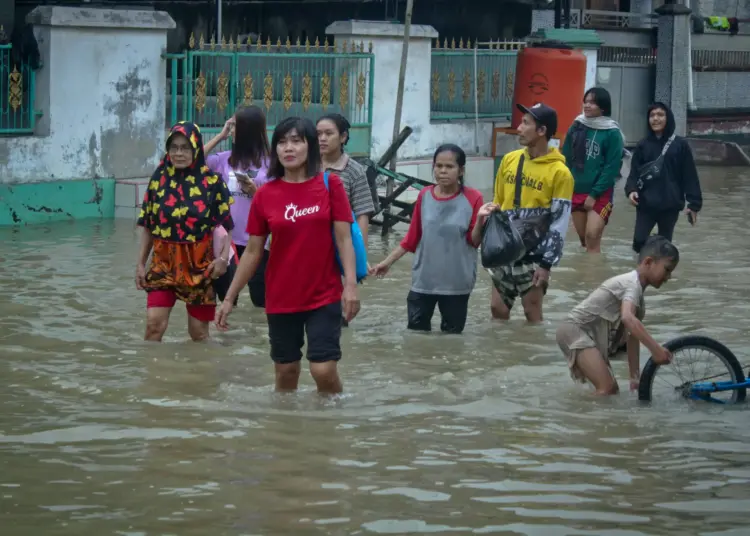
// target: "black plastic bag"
[[502, 244]]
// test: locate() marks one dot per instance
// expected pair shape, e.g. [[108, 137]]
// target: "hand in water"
[[223, 314], [634, 383], [350, 300]]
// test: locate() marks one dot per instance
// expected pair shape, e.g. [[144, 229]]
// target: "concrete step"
[[129, 195]]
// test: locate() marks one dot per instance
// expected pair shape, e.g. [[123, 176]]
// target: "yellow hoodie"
[[547, 186]]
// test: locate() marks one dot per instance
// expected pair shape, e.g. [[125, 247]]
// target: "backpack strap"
[[519, 180], [325, 180]]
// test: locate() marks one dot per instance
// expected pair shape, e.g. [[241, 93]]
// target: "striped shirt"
[[353, 175]]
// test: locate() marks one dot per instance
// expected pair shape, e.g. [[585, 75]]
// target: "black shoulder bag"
[[651, 171]]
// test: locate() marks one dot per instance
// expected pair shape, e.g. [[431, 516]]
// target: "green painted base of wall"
[[42, 202]]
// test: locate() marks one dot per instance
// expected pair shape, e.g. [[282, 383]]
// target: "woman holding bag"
[[440, 235], [304, 291], [662, 178]]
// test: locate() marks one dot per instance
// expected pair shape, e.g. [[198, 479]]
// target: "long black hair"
[[601, 98], [250, 145], [457, 152], [306, 130], [342, 125]]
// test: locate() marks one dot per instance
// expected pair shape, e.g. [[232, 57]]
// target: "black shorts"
[[453, 310], [286, 332], [222, 284]]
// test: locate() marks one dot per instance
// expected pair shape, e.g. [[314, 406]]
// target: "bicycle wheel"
[[686, 370]]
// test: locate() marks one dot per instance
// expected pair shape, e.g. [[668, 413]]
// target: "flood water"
[[485, 433]]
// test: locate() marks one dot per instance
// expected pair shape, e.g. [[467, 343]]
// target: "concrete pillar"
[[673, 63], [387, 43], [542, 19], [101, 92]]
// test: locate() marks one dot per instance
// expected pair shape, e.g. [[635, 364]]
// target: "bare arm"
[[476, 232], [343, 234], [226, 247], [637, 330], [395, 255], [147, 242], [634, 357], [211, 144], [363, 222], [248, 265]]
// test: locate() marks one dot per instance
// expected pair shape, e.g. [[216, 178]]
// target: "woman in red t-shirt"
[[304, 291]]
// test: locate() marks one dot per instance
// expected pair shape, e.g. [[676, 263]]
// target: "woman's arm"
[[363, 222], [147, 242], [226, 247], [474, 236], [247, 267], [612, 164], [566, 149], [635, 164], [211, 144], [692, 185], [343, 233], [220, 137]]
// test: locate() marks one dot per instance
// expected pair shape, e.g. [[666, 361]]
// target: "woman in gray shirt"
[[445, 260]]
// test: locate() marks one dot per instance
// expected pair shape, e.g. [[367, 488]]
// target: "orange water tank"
[[552, 73]]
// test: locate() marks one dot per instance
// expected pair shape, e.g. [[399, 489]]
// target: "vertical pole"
[[399, 106], [173, 91], [218, 20], [476, 102]]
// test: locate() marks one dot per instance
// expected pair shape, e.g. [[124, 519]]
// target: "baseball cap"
[[544, 114]]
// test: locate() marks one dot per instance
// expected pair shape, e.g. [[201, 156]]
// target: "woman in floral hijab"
[[183, 205]]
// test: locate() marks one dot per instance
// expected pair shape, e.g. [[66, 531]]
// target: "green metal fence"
[[472, 80], [209, 81], [17, 88]]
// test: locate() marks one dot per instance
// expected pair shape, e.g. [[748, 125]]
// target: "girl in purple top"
[[245, 169]]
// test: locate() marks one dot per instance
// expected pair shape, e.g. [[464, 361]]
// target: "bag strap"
[[519, 180], [666, 145], [325, 180]]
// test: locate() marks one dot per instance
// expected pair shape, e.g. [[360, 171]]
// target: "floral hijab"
[[185, 205]]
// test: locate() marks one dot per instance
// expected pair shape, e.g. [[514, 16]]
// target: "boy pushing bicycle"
[[618, 305]]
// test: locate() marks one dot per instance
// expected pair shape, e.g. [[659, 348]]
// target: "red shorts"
[[167, 298], [603, 205]]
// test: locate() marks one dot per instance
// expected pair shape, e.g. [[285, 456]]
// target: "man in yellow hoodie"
[[544, 196]]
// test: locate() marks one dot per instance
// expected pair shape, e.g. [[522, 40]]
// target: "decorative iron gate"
[[209, 81]]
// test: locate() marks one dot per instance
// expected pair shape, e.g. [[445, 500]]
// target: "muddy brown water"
[[102, 434]]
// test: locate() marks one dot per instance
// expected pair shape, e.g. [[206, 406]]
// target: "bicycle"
[[728, 387]]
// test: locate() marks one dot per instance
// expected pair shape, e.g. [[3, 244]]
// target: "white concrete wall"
[[102, 91]]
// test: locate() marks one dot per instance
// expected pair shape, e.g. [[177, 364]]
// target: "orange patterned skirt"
[[182, 268]]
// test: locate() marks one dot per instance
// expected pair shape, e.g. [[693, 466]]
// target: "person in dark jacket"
[[660, 201]]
